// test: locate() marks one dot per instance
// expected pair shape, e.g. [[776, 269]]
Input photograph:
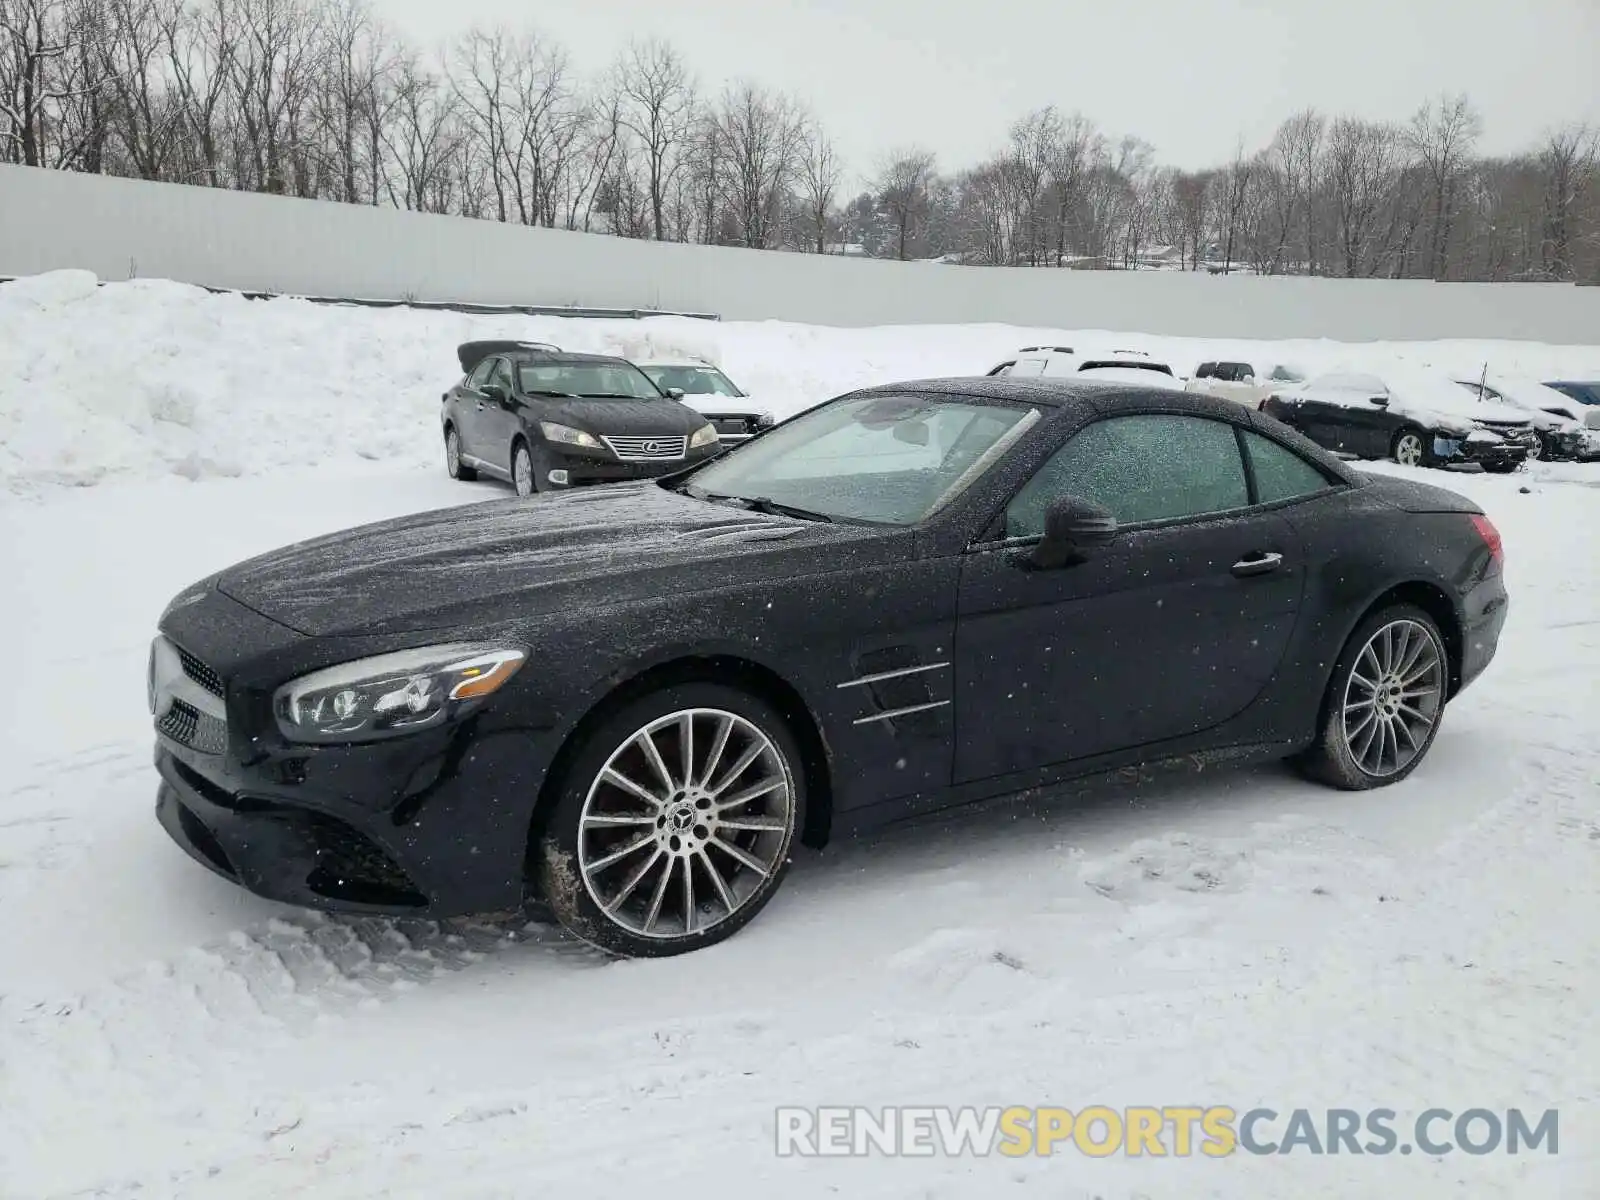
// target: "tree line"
[[319, 99]]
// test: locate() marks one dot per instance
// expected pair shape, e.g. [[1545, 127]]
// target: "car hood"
[[513, 559], [727, 404], [627, 418]]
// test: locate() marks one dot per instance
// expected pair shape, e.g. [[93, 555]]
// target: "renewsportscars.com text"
[[1179, 1131]]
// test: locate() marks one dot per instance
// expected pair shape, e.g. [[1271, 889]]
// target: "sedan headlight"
[[392, 694], [568, 436], [706, 435]]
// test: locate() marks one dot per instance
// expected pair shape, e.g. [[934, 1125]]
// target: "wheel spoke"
[[633, 881], [647, 743], [1368, 655], [750, 793], [688, 896], [1416, 713], [686, 747], [651, 917], [618, 819], [754, 824], [723, 893], [740, 765], [743, 856], [718, 745], [617, 856], [615, 777]]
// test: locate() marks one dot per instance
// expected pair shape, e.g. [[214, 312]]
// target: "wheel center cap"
[[681, 819]]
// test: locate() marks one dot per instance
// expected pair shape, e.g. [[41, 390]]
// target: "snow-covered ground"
[[1243, 939]]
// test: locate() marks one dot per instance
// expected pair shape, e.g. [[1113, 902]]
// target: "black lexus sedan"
[[547, 419], [632, 702]]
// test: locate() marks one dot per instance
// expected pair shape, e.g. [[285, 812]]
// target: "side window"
[[1143, 468], [501, 374], [1280, 474], [1205, 371], [480, 374]]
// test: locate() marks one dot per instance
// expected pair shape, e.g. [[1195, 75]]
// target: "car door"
[[470, 402], [498, 416], [1174, 627]]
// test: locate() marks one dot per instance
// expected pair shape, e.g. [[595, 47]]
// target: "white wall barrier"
[[119, 228]]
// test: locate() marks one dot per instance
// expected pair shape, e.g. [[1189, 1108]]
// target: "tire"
[[1345, 754], [1410, 448], [523, 475], [615, 878], [452, 457]]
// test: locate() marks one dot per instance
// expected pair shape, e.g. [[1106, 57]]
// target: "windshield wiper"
[[557, 395], [761, 504], [611, 396]]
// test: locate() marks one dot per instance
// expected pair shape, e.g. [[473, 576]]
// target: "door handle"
[[1257, 564]]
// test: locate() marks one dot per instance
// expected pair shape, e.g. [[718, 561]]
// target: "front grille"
[[647, 449], [199, 672], [188, 726]]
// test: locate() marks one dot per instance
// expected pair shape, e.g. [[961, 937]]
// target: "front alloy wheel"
[[1408, 450], [452, 457], [676, 822], [1384, 702], [522, 471]]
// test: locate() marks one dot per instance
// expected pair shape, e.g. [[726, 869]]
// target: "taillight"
[[1490, 536]]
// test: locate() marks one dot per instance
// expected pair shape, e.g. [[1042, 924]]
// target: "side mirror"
[[1380, 401], [495, 392], [1072, 527], [1591, 419], [674, 393]]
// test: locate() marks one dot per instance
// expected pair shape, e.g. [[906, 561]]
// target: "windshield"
[[600, 380], [693, 381], [885, 459]]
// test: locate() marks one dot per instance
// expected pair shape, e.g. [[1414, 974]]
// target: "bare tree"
[[1191, 202], [902, 188], [820, 174], [1567, 161], [1362, 167], [1441, 136], [659, 110]]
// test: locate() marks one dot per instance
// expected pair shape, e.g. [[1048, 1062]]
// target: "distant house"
[[847, 249]]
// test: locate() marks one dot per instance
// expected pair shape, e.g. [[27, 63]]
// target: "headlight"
[[568, 436], [392, 694], [706, 435]]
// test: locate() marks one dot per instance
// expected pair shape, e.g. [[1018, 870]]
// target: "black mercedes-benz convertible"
[[631, 702]]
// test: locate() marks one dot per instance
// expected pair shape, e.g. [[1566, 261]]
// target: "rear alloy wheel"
[[1408, 449], [1384, 702], [522, 471], [675, 823], [452, 457]]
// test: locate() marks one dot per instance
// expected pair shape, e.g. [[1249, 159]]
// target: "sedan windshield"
[[621, 381], [893, 460], [692, 381]]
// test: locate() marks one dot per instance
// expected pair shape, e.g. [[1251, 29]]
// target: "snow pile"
[[149, 378]]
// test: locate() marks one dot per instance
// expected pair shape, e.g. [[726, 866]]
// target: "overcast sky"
[[1189, 76]]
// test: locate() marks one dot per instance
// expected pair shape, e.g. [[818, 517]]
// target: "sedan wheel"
[[522, 471], [1408, 449], [1384, 702], [676, 824], [452, 457]]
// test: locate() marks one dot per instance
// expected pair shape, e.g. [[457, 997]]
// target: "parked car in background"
[[1414, 419], [634, 704], [1584, 392], [1115, 366], [1240, 381], [708, 390], [1560, 435], [546, 419]]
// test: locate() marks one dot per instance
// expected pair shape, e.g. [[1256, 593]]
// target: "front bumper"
[[428, 825], [1499, 452], [585, 467]]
